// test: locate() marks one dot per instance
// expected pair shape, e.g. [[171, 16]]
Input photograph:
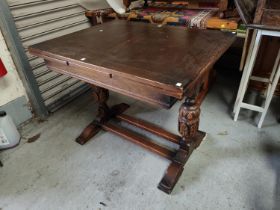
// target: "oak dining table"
[[159, 65]]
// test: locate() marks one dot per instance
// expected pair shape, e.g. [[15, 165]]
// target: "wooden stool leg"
[[270, 95], [273, 73], [247, 73], [247, 59], [188, 124]]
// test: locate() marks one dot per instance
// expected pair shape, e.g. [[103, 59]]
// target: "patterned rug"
[[202, 4], [185, 17]]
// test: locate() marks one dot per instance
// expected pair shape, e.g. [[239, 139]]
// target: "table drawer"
[[110, 81]]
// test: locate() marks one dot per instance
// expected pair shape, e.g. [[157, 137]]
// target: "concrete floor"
[[236, 167]]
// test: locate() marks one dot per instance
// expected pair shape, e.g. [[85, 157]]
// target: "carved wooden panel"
[[188, 122]]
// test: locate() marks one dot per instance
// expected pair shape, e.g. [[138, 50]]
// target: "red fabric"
[[3, 70]]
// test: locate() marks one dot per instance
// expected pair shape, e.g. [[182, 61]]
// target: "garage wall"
[[13, 98], [29, 22], [40, 20]]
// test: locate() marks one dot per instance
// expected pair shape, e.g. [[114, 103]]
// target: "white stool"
[[272, 81]]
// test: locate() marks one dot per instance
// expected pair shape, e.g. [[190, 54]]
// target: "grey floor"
[[236, 167]]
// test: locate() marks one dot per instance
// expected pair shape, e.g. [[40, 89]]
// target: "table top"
[[164, 56]]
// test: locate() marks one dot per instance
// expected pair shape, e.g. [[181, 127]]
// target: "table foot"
[[93, 128], [191, 139], [104, 114], [182, 155], [176, 167], [90, 131], [200, 136], [171, 177]]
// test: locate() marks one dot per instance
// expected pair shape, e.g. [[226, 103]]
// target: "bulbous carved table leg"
[[105, 113], [188, 124]]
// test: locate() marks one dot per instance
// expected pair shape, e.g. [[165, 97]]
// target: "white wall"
[[11, 86]]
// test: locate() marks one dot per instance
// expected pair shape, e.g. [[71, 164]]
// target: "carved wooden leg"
[[188, 124], [100, 95]]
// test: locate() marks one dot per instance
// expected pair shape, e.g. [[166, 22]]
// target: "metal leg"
[[271, 89], [247, 73]]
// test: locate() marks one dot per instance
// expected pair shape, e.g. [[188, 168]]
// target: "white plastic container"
[[9, 135]]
